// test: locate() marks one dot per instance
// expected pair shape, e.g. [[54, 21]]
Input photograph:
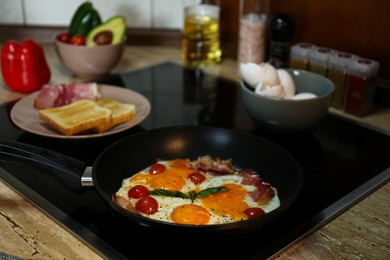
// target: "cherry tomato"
[[254, 212], [64, 37], [196, 177], [147, 205], [157, 168], [77, 40], [138, 191]]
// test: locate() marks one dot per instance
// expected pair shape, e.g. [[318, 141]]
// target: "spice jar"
[[252, 31], [337, 73], [299, 55], [318, 60], [360, 87]]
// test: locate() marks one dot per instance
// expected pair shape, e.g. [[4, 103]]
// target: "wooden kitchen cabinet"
[[357, 26]]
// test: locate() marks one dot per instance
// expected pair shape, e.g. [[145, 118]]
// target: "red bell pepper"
[[24, 66]]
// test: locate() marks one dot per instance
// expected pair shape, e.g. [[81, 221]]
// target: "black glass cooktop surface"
[[342, 163]]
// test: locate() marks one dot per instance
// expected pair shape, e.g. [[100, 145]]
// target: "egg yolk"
[[229, 203], [190, 214], [174, 178], [180, 163]]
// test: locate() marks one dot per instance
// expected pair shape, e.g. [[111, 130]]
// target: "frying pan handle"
[[65, 169]]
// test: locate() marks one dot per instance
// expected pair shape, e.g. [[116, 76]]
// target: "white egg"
[[271, 91], [268, 74], [253, 73], [259, 87], [287, 82], [250, 73], [304, 95]]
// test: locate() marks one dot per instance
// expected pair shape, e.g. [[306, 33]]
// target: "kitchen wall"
[[148, 14], [357, 26]]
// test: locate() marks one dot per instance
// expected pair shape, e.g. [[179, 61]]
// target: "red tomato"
[[138, 192], [196, 177], [64, 37], [77, 40], [147, 205], [157, 168], [254, 212]]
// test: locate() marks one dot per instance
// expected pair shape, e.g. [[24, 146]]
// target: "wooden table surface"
[[362, 232]]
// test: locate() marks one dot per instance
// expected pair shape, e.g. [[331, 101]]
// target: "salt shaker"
[[252, 31]]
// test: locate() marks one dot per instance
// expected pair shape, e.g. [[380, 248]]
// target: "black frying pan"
[[138, 151]]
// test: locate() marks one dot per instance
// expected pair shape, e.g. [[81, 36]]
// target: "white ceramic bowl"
[[287, 115]]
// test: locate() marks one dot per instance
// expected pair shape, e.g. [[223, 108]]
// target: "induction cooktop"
[[342, 163]]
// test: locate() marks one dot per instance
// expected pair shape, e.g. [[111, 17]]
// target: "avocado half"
[[116, 25]]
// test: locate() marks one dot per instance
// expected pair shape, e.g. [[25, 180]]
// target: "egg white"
[[168, 204]]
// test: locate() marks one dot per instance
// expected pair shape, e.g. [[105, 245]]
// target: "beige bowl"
[[89, 62], [287, 115]]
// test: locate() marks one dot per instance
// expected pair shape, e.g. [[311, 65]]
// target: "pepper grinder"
[[281, 29]]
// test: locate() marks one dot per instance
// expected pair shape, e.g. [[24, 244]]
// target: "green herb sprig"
[[192, 195]]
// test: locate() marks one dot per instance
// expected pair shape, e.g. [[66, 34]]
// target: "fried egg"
[[219, 207]]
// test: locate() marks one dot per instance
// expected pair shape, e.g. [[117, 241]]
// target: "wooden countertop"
[[362, 232]]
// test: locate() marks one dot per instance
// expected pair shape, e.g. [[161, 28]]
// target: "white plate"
[[25, 116]]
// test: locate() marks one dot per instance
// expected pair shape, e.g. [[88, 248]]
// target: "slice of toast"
[[120, 112], [79, 116]]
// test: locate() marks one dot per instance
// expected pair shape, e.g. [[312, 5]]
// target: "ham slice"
[[63, 94]]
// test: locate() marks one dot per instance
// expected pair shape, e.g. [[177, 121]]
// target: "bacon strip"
[[124, 203], [215, 166], [264, 191]]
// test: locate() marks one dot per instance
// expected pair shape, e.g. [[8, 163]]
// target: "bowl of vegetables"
[[90, 48]]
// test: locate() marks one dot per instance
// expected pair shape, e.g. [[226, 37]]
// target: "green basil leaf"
[[192, 194], [177, 194], [210, 191]]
